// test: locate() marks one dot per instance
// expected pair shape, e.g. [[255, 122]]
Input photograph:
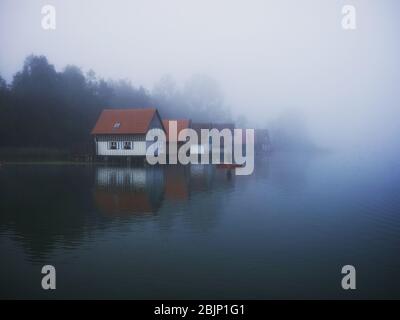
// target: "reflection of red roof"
[[176, 187], [180, 124], [124, 121], [123, 202]]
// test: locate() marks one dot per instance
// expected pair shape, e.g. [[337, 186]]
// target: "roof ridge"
[[128, 109]]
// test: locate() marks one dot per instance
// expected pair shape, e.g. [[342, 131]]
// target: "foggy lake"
[[199, 232]]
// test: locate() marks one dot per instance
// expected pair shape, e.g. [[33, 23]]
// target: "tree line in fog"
[[45, 108]]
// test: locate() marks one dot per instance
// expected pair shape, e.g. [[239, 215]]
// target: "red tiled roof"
[[124, 121], [181, 124]]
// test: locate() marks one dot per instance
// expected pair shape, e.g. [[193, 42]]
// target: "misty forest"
[[43, 109]]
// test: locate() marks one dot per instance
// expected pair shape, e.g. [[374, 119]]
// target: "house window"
[[127, 145], [113, 145]]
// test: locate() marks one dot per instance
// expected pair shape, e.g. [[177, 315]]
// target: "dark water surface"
[[198, 232]]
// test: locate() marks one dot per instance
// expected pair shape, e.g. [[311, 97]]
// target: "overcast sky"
[[268, 56]]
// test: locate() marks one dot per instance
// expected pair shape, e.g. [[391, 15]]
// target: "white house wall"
[[138, 149]]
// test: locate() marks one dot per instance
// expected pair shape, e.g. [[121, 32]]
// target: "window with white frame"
[[127, 145], [113, 145]]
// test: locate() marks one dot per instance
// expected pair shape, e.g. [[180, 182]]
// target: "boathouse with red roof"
[[122, 132]]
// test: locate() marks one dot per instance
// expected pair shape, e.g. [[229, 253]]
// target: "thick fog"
[[278, 63]]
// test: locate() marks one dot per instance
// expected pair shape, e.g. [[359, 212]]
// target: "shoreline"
[[48, 162]]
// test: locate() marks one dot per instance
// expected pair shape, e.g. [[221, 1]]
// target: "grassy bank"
[[42, 155]]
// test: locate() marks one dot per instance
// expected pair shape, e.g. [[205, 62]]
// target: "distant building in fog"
[[201, 146], [181, 124], [262, 141]]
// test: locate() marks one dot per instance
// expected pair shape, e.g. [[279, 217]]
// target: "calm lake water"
[[198, 232]]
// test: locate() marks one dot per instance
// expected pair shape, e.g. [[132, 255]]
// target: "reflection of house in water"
[[141, 190], [181, 125], [208, 178], [121, 191], [177, 183], [182, 182]]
